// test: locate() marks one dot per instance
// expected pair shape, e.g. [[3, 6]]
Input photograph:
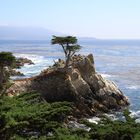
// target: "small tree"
[[7, 61], [69, 45]]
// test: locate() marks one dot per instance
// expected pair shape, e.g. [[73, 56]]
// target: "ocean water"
[[117, 60]]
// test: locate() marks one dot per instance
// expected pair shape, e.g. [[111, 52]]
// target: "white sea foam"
[[113, 116], [40, 62], [106, 75], [34, 58], [121, 117], [135, 114], [134, 87], [94, 120]]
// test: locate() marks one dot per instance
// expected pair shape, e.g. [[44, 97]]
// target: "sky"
[[104, 19]]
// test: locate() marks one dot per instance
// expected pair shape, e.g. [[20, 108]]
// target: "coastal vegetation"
[[37, 115], [69, 46], [28, 117], [7, 61]]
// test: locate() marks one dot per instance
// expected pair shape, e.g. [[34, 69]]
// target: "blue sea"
[[117, 60]]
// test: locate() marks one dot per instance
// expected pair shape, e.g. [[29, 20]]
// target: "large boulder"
[[80, 84]]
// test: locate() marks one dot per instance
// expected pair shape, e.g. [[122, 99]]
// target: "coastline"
[[80, 84]]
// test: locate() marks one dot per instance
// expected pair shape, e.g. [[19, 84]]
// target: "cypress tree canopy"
[[7, 59]]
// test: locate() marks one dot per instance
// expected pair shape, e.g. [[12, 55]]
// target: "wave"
[[117, 116], [134, 87], [135, 114], [40, 63], [34, 58], [106, 75], [113, 116]]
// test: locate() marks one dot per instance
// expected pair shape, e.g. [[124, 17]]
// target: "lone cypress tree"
[[7, 61], [69, 46]]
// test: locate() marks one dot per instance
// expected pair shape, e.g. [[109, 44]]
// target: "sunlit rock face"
[[80, 84]]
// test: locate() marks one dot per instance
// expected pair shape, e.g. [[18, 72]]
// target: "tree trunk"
[[67, 62], [1, 78], [68, 59], [65, 52]]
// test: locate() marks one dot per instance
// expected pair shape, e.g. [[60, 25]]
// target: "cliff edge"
[[80, 84]]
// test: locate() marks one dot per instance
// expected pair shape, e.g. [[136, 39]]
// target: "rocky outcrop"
[[22, 61], [89, 92]]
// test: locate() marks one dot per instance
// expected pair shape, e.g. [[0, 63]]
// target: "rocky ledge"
[[80, 84]]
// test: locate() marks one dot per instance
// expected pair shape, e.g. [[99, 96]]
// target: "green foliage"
[[64, 40], [74, 48], [69, 45], [127, 116], [6, 59], [114, 130], [137, 137], [29, 115], [66, 134]]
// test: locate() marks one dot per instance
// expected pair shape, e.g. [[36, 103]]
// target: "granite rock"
[[80, 84]]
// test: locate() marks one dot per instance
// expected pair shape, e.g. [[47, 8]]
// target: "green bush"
[[28, 115]]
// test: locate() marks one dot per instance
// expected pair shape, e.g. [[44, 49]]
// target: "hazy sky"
[[117, 19]]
